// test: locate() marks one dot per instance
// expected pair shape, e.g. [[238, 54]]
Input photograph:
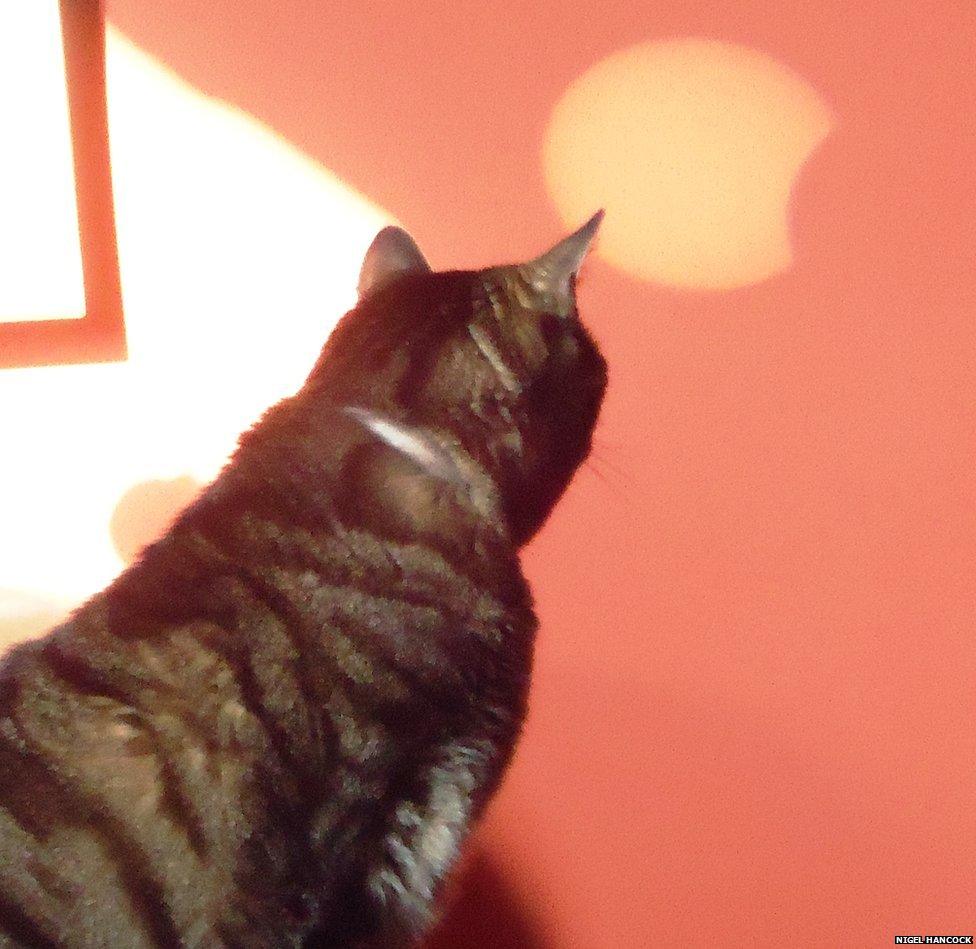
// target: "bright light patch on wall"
[[237, 256], [40, 254], [694, 148]]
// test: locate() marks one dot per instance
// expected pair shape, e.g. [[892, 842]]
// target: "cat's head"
[[494, 362]]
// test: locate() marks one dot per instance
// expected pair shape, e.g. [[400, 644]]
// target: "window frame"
[[99, 335]]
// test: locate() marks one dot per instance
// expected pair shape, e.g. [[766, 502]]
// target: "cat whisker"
[[618, 488]]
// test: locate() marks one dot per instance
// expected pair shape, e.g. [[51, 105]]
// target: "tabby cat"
[[277, 727]]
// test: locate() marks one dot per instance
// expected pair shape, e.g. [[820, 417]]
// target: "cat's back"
[[261, 671], [277, 728]]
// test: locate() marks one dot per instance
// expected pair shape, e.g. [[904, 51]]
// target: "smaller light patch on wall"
[[40, 254]]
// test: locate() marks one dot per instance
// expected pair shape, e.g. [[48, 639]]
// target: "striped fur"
[[277, 727]]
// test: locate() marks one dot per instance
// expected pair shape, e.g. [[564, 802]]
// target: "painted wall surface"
[[752, 720]]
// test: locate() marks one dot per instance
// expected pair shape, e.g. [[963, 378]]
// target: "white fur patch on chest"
[[426, 836]]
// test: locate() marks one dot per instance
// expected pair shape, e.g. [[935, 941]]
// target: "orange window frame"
[[99, 335]]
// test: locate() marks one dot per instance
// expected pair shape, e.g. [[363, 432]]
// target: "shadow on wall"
[[486, 912], [142, 515], [146, 511]]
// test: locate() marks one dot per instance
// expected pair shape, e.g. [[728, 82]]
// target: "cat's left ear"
[[554, 273], [393, 252]]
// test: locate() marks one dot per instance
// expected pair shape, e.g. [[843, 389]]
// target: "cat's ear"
[[553, 273], [392, 252]]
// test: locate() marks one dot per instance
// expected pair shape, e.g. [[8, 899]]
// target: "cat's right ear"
[[393, 252], [554, 273]]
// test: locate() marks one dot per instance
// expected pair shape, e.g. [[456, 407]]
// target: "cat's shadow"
[[485, 911]]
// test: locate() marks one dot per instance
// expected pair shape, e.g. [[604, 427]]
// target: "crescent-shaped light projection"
[[693, 147], [237, 254]]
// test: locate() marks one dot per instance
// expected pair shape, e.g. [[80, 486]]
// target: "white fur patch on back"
[[416, 445]]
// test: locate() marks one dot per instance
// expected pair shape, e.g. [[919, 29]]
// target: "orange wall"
[[752, 719]]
